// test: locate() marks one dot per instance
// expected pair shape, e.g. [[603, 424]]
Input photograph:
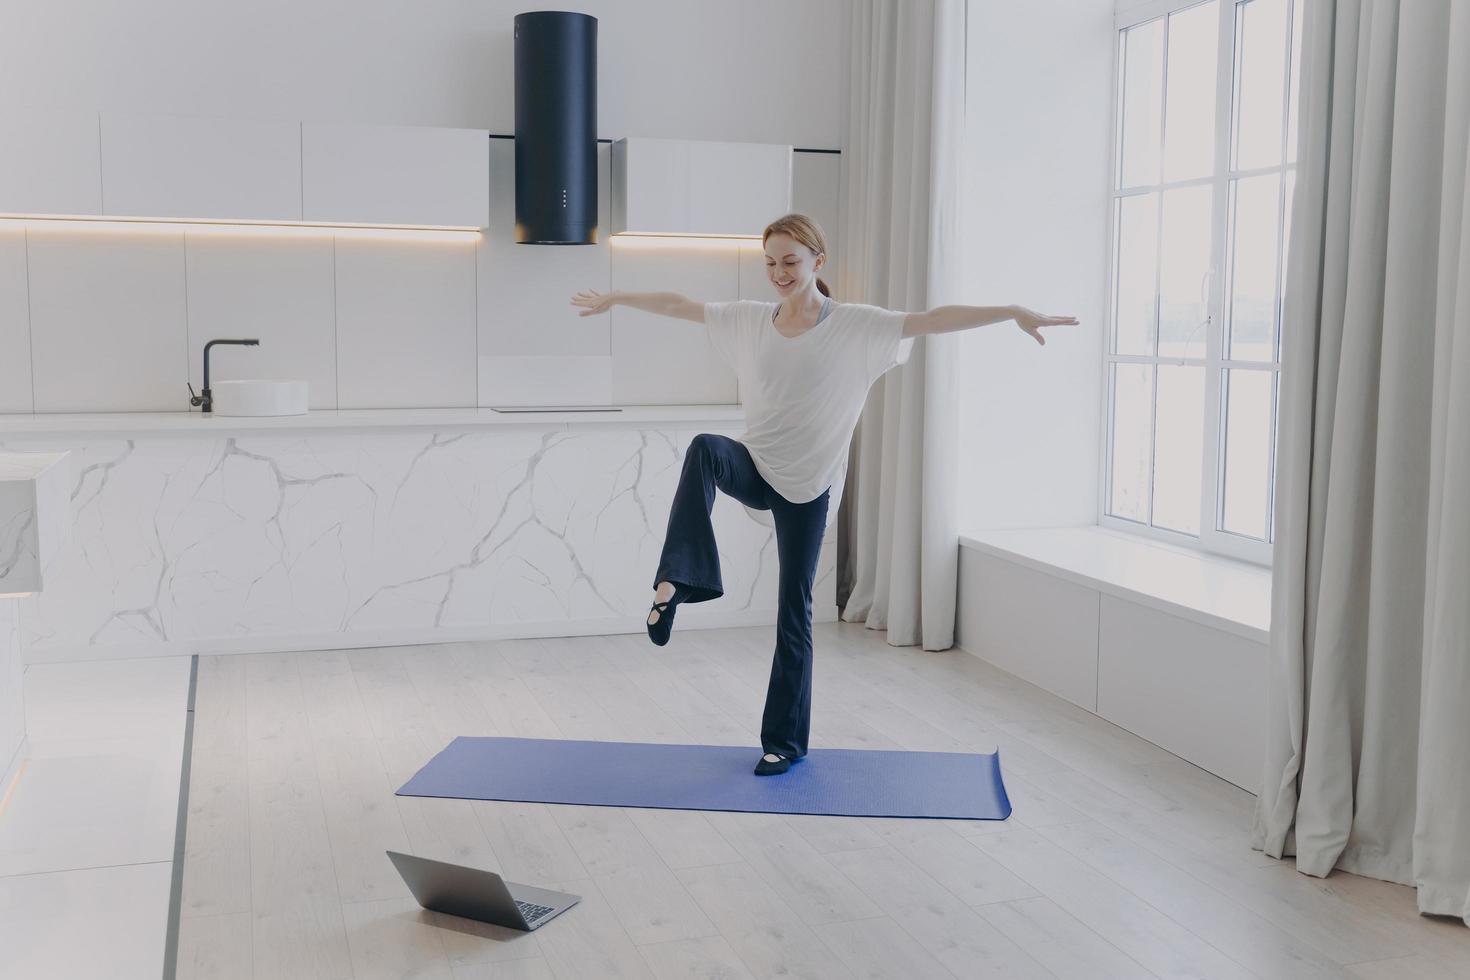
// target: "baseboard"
[[690, 617]]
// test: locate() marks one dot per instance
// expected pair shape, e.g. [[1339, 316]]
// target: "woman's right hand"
[[592, 302]]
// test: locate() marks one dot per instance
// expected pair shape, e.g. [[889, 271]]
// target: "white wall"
[[1040, 119], [95, 319]]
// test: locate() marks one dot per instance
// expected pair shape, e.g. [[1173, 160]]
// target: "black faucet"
[[204, 399]]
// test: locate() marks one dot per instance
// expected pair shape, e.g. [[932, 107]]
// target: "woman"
[[804, 366]]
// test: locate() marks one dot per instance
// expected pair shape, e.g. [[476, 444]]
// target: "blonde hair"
[[804, 230]]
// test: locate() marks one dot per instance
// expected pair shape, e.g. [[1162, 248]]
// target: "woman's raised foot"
[[663, 593], [661, 615]]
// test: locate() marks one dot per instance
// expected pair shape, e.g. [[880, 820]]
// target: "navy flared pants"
[[691, 560]]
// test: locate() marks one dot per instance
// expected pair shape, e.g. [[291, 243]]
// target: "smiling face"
[[790, 265]]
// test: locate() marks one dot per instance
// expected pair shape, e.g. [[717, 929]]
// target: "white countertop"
[[382, 418]]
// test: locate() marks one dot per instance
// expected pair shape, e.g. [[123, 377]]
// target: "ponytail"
[[822, 287]]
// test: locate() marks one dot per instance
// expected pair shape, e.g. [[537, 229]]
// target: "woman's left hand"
[[1032, 322]]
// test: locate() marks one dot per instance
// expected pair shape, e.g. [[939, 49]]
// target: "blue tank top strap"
[[826, 308]]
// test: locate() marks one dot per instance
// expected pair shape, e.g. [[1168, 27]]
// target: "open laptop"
[[476, 894]]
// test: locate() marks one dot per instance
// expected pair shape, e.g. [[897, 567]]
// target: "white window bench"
[[1165, 642]]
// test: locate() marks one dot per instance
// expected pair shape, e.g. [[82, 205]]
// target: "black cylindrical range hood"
[[556, 128]]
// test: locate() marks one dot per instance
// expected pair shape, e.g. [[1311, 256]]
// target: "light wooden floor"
[[1119, 861]]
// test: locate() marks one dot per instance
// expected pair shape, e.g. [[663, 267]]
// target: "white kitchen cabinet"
[[696, 187], [49, 163], [395, 175], [172, 167], [167, 166]]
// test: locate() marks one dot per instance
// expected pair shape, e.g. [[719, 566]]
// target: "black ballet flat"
[[659, 632], [764, 768]]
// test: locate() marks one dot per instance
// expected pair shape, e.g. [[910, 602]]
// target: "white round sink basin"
[[258, 397]]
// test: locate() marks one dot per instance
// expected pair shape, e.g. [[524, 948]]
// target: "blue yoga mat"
[[847, 782]]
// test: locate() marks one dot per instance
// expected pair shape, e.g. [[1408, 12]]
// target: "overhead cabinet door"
[[49, 163], [395, 175], [697, 187], [167, 166]]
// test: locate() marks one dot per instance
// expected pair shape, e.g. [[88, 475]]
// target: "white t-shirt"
[[803, 395]]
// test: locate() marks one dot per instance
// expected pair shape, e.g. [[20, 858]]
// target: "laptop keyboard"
[[532, 912]]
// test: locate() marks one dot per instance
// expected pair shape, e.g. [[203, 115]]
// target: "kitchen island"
[[212, 534]]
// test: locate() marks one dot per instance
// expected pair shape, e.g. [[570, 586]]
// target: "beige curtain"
[[898, 534], [1368, 756]]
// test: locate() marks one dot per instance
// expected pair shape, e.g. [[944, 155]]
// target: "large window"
[[1204, 165]]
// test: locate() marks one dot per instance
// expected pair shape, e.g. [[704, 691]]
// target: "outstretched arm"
[[664, 304], [947, 319]]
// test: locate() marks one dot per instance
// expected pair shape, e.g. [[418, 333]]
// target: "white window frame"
[[1131, 13]]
